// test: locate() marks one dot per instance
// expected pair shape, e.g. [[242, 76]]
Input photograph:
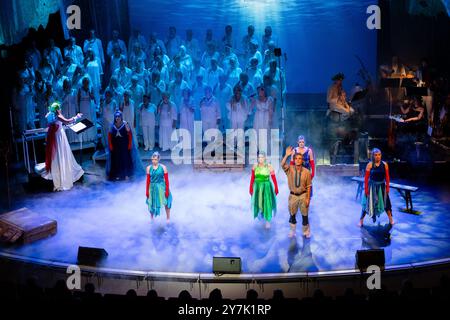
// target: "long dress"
[[69, 108], [210, 112], [237, 113], [61, 166], [123, 161], [167, 115], [87, 108], [148, 120], [107, 119], [378, 199], [187, 111], [263, 110], [223, 95], [157, 190], [264, 201]]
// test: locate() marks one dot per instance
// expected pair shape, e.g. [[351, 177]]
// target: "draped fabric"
[[17, 16]]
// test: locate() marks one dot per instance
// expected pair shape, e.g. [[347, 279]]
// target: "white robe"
[[64, 169], [210, 113], [96, 46], [237, 113], [87, 108], [108, 119], [148, 120], [223, 95], [262, 113], [167, 115], [187, 111], [69, 109]]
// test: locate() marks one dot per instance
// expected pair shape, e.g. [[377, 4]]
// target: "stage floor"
[[211, 216]]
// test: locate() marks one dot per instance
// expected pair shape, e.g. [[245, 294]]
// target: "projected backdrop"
[[319, 38]]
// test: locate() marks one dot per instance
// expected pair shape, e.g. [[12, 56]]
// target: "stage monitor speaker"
[[223, 265], [372, 257], [91, 256]]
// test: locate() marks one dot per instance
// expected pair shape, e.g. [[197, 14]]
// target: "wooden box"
[[25, 226]]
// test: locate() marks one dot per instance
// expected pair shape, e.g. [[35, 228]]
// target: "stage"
[[211, 216]]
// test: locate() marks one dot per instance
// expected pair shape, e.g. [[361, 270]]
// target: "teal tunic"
[[157, 190]]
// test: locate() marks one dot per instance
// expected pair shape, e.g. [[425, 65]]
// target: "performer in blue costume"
[[376, 189], [123, 157], [157, 188]]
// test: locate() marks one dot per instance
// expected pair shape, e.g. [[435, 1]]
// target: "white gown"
[[210, 112], [64, 170], [261, 119], [69, 108], [87, 108], [168, 114], [148, 121], [187, 117], [237, 113]]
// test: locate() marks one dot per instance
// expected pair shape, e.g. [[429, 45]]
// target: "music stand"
[[390, 83], [79, 127]]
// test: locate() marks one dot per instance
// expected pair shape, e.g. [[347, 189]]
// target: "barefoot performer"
[[157, 188], [299, 182]]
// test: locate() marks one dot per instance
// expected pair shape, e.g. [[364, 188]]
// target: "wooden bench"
[[403, 190]]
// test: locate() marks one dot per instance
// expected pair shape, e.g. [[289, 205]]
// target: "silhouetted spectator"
[[131, 293], [215, 295], [278, 295], [252, 295], [152, 294], [184, 296]]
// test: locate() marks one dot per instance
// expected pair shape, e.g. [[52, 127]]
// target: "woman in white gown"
[[69, 106], [168, 116], [86, 103], [263, 107], [237, 109], [187, 109], [108, 107], [60, 164]]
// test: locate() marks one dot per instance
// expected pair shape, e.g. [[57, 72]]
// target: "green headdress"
[[54, 107]]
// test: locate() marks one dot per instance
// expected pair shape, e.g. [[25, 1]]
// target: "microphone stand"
[[283, 137]]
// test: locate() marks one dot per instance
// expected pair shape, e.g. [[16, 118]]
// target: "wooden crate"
[[25, 226]]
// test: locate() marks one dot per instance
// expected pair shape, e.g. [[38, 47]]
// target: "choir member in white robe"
[[97, 47], [209, 110], [263, 109], [69, 107], [167, 111], [237, 108], [116, 41], [223, 92], [75, 52], [187, 110], [148, 121], [108, 107]]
